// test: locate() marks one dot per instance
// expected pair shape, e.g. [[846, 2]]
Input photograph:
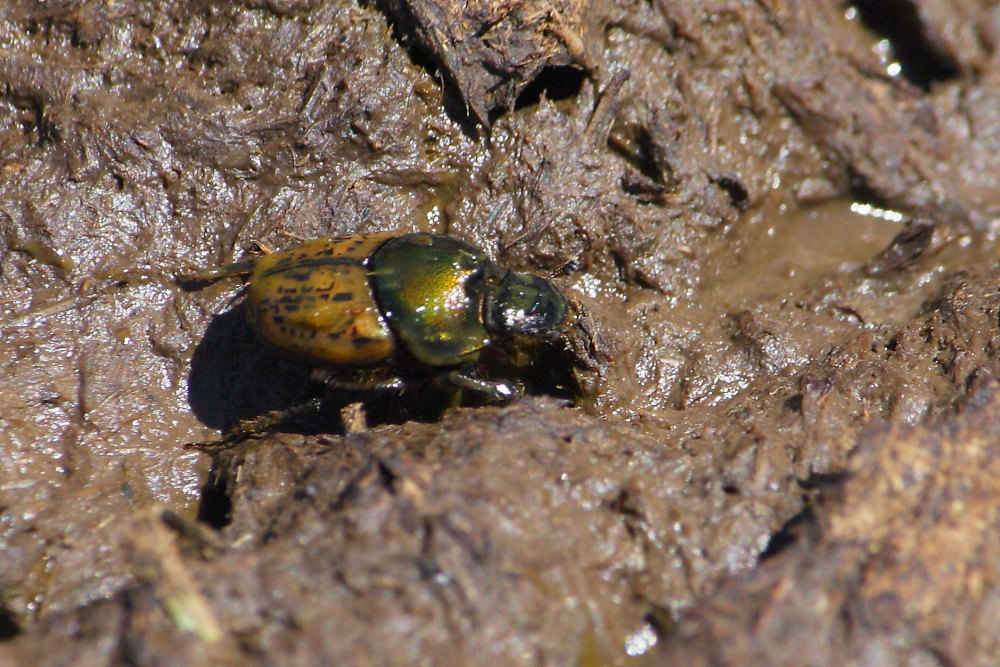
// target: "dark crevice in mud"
[[802, 524], [555, 83], [635, 145], [738, 195], [663, 620], [861, 191], [451, 97], [819, 481], [216, 507], [8, 626], [923, 62]]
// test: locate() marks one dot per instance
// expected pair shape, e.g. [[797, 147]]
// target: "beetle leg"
[[364, 384], [257, 427], [392, 384], [496, 391], [233, 269], [199, 277], [226, 270]]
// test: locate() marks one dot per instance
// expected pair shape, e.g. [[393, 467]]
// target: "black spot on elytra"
[[343, 296]]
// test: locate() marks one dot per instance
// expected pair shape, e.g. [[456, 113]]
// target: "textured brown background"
[[786, 454]]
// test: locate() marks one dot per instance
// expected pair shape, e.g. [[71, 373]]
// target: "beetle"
[[386, 311]]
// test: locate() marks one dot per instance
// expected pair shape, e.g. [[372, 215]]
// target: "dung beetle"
[[386, 311]]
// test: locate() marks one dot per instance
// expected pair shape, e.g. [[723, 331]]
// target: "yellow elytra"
[[315, 302]]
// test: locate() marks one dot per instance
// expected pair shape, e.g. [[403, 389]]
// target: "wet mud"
[[783, 218]]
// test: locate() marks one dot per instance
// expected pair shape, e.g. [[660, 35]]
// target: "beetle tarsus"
[[494, 390]]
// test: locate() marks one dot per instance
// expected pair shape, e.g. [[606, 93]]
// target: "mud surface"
[[785, 216]]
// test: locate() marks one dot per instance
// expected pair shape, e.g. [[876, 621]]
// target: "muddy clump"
[[784, 220]]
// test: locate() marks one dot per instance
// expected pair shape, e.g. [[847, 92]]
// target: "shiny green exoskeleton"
[[404, 306]]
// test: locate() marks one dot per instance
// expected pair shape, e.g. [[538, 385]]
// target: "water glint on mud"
[[778, 252]]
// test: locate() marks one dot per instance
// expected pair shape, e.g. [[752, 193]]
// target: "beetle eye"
[[528, 305]]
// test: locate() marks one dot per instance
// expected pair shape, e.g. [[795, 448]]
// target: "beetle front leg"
[[495, 390]]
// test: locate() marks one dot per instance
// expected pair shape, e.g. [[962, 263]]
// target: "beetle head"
[[521, 304]]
